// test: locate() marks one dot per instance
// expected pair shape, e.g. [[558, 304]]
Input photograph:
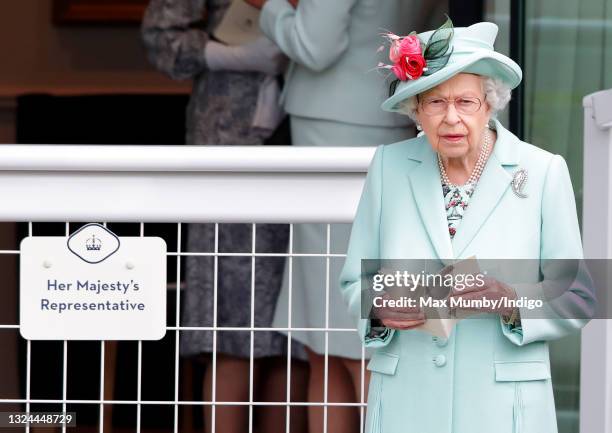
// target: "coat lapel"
[[427, 190], [493, 184]]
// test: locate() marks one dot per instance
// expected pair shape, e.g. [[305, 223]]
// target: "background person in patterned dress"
[[228, 82]]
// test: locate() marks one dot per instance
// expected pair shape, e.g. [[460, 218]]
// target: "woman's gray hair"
[[497, 94]]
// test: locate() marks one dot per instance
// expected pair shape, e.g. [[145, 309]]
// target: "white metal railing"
[[185, 184], [182, 183], [596, 343]]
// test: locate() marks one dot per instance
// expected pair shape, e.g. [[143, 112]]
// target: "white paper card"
[[240, 24], [93, 286]]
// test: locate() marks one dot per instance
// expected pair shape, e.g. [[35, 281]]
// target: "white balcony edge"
[[181, 183], [183, 158]]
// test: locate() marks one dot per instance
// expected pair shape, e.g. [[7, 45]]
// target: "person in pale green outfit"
[[331, 94], [466, 190]]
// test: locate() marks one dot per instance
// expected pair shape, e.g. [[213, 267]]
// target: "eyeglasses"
[[464, 105]]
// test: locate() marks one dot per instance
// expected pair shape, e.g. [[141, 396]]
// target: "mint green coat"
[[333, 47], [486, 377]]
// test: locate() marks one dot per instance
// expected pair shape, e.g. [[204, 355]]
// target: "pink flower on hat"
[[407, 56], [409, 67], [406, 46], [410, 45], [412, 58], [395, 51]]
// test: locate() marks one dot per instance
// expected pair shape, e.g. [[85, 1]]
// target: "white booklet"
[[441, 320], [438, 327], [239, 25]]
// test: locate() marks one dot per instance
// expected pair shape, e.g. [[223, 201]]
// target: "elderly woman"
[[466, 187]]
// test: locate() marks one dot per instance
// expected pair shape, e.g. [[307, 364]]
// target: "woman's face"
[[455, 130]]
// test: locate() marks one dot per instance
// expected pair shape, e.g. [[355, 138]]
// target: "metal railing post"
[[596, 343]]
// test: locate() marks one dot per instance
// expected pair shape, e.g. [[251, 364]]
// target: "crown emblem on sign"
[[93, 244]]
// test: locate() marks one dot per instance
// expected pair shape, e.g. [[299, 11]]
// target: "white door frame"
[[596, 342]]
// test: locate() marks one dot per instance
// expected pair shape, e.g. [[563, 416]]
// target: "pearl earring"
[[419, 127]]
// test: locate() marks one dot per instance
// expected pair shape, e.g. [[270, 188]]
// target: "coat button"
[[439, 360], [441, 342]]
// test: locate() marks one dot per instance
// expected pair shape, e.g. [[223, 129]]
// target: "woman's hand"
[[493, 290], [399, 317]]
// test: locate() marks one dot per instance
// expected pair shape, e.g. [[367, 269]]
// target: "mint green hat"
[[472, 52]]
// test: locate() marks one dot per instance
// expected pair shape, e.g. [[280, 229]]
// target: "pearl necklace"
[[478, 168]]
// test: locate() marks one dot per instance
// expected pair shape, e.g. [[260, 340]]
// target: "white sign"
[[93, 285]]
